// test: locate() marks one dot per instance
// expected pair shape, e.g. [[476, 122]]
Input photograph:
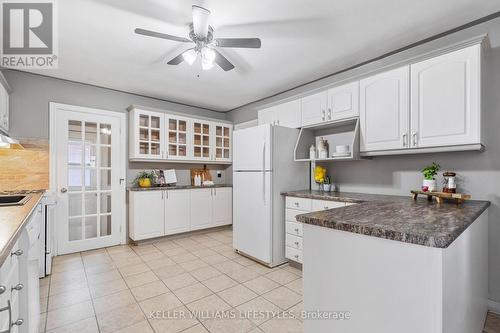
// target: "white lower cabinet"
[[201, 208], [297, 206], [177, 211], [147, 214], [157, 213]]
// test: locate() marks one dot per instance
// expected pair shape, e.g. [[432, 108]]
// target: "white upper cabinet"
[[147, 134], [163, 136], [445, 99], [343, 101], [384, 110], [287, 114], [314, 108], [4, 109], [177, 211], [177, 129]]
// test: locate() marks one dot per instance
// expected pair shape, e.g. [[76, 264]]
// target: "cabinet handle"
[[405, 136], [17, 253], [296, 256], [296, 230], [297, 204], [323, 115], [414, 135], [326, 208], [18, 322], [296, 243], [2, 289], [278, 122], [329, 113], [18, 287]]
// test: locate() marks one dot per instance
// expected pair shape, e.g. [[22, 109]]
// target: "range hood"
[[7, 142]]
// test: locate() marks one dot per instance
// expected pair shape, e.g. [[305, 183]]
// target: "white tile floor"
[[195, 283]]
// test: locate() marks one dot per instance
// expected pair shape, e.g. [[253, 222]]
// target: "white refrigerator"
[[263, 166]]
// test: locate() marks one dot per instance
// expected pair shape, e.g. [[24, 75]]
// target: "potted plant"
[[321, 178], [430, 172], [145, 178]]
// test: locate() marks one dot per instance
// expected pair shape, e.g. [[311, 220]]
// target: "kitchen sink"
[[14, 200]]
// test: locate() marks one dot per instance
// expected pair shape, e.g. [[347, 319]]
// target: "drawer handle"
[[2, 289], [326, 208], [17, 253], [18, 287], [296, 230], [296, 256], [18, 322], [297, 204], [296, 243]]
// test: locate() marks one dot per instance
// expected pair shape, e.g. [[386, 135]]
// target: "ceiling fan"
[[202, 35]]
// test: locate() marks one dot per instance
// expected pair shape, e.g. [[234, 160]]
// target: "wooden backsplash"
[[25, 169]]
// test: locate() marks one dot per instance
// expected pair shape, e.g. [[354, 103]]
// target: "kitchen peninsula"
[[395, 264]]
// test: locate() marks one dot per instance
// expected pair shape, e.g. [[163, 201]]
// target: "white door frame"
[[53, 113]]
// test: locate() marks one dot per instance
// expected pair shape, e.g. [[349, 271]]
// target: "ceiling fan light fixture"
[[189, 56], [206, 64], [208, 53]]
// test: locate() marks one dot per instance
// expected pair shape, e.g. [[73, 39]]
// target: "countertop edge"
[[5, 251], [173, 188]]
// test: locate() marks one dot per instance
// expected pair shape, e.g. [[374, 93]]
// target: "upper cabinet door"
[[148, 134], [202, 136], [384, 111], [178, 137], [314, 108], [289, 114], [268, 116], [343, 101], [223, 141], [445, 94]]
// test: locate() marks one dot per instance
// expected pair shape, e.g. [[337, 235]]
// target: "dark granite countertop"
[[177, 187], [397, 218]]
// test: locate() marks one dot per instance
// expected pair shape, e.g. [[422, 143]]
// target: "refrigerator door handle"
[[264, 172]]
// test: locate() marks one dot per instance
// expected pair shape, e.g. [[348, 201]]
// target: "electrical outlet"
[[219, 174]]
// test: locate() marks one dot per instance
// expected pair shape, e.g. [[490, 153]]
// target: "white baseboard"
[[494, 306]]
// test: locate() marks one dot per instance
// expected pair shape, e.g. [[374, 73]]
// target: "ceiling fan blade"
[[200, 21], [177, 60], [222, 61], [253, 43], [150, 33]]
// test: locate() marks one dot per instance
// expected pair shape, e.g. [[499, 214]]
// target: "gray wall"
[[29, 102], [479, 173]]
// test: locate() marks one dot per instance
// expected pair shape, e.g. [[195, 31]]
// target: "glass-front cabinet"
[[147, 131], [168, 136], [178, 136], [223, 141], [202, 133]]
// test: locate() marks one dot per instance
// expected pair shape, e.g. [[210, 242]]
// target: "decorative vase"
[[327, 187], [429, 185], [144, 182]]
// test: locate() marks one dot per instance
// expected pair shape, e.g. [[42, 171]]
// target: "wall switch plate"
[[219, 174]]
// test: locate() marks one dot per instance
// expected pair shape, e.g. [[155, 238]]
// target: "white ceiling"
[[301, 41]]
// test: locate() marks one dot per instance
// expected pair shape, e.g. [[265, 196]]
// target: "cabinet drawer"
[[293, 254], [294, 228], [298, 203], [326, 204], [291, 214], [294, 241]]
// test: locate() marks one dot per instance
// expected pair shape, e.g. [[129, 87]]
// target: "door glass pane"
[[172, 150], [218, 153], [75, 204], [182, 125], [75, 229], [172, 124], [226, 142], [226, 153], [143, 120], [226, 131], [105, 160], [90, 179], [75, 179], [91, 132], [182, 151], [155, 135], [155, 149], [90, 155], [205, 152], [206, 140], [105, 225], [90, 227], [182, 138], [105, 134], [105, 203], [75, 130], [197, 151], [206, 129], [172, 138], [75, 156], [218, 130], [144, 147], [218, 142], [105, 180], [197, 139], [90, 203], [197, 127], [144, 134]]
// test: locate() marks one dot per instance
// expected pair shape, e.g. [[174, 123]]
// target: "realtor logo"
[[28, 34]]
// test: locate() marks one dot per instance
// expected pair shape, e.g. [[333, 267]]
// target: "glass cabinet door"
[[150, 135], [223, 142], [177, 132], [201, 140]]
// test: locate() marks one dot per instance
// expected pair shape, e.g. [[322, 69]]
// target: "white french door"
[[88, 171]]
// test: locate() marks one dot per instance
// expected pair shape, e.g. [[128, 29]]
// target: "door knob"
[[64, 190]]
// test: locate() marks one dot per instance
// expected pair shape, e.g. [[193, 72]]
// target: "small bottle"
[[312, 152]]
